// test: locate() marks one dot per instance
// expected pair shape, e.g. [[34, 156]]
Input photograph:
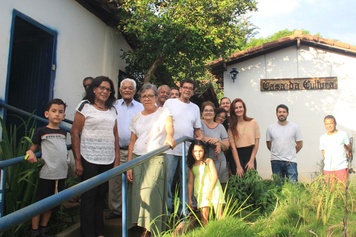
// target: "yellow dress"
[[202, 182]]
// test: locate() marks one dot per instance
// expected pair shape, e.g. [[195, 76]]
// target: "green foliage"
[[300, 209], [175, 39], [258, 193], [308, 208], [21, 179], [253, 42], [229, 226]]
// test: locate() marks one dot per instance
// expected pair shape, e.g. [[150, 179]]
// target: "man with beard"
[[284, 140]]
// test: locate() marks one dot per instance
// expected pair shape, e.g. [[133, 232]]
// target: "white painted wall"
[[85, 45], [306, 108]]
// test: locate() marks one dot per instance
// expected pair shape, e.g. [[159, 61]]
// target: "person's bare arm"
[[117, 146], [75, 132], [133, 139], [190, 187], [239, 170], [31, 154], [198, 134], [170, 132], [269, 144], [299, 146], [251, 163]]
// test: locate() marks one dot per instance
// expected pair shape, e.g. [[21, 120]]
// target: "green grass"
[[299, 209]]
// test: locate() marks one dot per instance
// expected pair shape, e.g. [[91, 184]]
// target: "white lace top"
[[97, 141]]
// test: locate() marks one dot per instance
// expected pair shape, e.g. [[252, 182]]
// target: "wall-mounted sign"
[[288, 84]]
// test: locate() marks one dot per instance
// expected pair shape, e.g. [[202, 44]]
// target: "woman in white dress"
[[152, 128]]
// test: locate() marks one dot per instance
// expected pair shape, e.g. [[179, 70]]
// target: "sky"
[[332, 19]]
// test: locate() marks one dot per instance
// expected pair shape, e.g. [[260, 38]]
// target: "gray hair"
[[146, 87], [161, 86], [130, 80]]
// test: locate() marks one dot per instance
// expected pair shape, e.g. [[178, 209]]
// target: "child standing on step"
[[203, 178], [52, 140]]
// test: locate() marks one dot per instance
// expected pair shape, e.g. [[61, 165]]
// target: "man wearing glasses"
[[186, 122]]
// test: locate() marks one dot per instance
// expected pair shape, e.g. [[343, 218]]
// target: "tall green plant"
[[21, 178], [257, 193]]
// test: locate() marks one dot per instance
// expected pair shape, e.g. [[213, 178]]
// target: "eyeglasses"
[[147, 97], [103, 88], [187, 88], [221, 117], [208, 111]]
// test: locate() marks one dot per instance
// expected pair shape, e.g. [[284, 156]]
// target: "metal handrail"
[[19, 159], [26, 213], [22, 112]]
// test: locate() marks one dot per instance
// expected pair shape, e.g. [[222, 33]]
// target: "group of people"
[[107, 132]]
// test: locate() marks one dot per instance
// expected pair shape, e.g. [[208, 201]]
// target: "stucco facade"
[[85, 45], [307, 108]]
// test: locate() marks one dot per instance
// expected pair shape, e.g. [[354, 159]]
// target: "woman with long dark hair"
[[95, 145], [244, 136]]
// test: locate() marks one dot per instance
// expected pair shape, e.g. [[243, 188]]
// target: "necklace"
[[102, 108]]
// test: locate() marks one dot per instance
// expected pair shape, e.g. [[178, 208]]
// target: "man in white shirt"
[[126, 108], [284, 140], [335, 147], [186, 122]]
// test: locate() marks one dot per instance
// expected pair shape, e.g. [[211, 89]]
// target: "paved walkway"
[[112, 228]]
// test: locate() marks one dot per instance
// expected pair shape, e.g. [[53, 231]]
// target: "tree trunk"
[[152, 69]]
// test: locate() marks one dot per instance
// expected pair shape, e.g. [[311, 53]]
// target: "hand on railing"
[[170, 141], [30, 157]]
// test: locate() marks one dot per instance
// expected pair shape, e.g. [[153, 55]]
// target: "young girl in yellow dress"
[[203, 179]]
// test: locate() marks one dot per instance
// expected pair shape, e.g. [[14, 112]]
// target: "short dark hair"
[[283, 106], [219, 111], [55, 101], [96, 83], [187, 80], [330, 117], [88, 78]]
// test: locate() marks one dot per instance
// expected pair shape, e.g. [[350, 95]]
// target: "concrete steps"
[[112, 228]]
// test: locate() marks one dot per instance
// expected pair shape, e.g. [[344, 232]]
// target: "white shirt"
[[150, 131], [283, 139], [334, 150], [97, 141], [186, 117]]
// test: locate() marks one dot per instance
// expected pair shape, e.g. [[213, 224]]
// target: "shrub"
[[21, 179], [260, 195]]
